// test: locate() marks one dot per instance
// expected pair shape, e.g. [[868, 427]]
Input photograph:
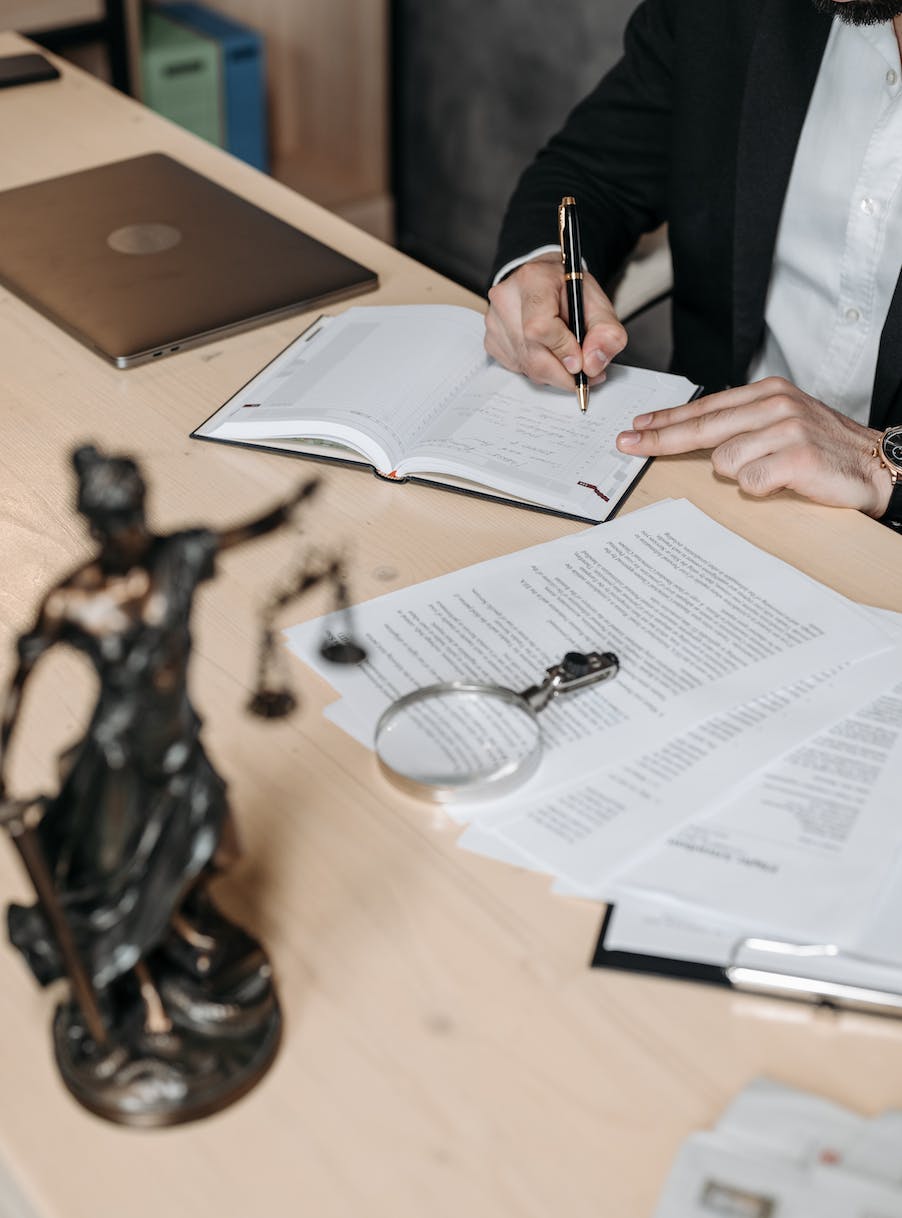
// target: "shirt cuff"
[[515, 262]]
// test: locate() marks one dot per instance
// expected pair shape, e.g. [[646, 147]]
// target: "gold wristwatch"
[[888, 451]]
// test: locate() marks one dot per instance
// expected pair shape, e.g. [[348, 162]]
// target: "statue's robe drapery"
[[140, 810]]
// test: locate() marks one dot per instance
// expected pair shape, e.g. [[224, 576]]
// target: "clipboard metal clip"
[[818, 973]]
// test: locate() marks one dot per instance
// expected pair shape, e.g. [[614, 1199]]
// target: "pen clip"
[[568, 233]]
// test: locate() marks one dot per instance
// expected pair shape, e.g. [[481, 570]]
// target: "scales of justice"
[[171, 1011]]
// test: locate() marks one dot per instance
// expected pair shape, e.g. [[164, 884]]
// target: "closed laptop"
[[143, 257]]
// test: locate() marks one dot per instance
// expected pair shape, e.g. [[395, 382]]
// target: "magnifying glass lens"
[[459, 739]]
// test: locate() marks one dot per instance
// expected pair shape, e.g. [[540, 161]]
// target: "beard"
[[861, 12]]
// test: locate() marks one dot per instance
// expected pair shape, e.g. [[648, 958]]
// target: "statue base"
[[195, 1048], [163, 1078]]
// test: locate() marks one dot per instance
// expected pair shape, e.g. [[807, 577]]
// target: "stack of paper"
[[740, 768], [778, 1151]]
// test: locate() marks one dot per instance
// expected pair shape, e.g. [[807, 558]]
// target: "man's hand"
[[525, 328], [770, 436]]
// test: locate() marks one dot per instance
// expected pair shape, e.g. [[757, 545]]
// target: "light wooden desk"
[[448, 1052]]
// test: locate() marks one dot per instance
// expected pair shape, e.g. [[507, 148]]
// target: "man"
[[768, 134]]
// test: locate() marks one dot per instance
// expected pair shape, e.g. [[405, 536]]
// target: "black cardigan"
[[696, 125]]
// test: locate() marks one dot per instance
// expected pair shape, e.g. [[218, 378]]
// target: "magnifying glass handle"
[[576, 671]]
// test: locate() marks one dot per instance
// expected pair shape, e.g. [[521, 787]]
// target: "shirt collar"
[[881, 37]]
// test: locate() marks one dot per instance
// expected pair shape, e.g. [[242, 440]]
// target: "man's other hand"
[[526, 330], [768, 437]]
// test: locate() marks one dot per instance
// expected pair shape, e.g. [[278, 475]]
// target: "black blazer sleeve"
[[613, 155]]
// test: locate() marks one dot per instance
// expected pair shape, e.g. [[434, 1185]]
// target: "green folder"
[[182, 76]]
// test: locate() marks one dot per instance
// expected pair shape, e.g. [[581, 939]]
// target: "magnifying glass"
[[462, 740]]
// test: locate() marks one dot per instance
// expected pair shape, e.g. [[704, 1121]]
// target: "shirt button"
[[868, 206], [891, 77], [852, 315]]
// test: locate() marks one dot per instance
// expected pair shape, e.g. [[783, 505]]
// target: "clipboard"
[[818, 974]]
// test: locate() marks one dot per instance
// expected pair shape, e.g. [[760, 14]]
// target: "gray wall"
[[479, 86]]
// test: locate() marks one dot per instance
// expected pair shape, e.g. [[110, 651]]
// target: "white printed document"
[[703, 623], [806, 846], [590, 831]]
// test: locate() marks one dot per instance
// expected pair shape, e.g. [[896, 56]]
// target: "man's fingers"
[[685, 429], [693, 434], [550, 354], [785, 468], [741, 395], [544, 368], [740, 451], [527, 331], [605, 337], [528, 298], [548, 330]]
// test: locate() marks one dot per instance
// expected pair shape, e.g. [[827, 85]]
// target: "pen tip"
[[582, 392]]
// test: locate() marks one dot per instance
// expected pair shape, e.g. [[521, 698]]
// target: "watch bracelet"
[[892, 517]]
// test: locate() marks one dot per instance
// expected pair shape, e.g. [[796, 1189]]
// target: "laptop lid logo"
[[144, 238]]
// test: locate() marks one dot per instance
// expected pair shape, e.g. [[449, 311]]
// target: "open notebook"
[[408, 392]]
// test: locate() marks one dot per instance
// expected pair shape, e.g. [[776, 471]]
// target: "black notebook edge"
[[654, 966]]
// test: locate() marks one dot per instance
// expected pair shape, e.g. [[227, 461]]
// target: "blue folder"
[[244, 79]]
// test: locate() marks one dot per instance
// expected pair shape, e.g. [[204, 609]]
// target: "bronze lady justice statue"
[[172, 1011]]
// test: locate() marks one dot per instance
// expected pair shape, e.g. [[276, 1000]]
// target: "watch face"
[[891, 447]]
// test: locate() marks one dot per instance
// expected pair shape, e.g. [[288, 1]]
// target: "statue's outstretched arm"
[[268, 522]]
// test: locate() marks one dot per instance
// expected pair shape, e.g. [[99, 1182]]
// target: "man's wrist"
[[892, 516], [882, 482]]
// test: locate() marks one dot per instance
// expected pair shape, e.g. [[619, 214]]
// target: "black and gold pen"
[[571, 256]]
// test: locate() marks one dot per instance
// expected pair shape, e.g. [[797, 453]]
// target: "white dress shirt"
[[839, 244]]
